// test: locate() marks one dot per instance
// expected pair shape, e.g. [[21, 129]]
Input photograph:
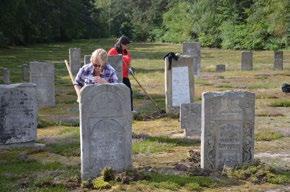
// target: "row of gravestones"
[[247, 61], [42, 74], [193, 49]]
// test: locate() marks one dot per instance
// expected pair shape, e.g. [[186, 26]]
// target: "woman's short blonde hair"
[[99, 53]]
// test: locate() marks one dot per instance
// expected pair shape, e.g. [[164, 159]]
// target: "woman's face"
[[98, 64], [125, 46]]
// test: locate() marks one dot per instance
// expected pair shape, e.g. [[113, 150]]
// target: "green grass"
[[268, 135], [280, 103]]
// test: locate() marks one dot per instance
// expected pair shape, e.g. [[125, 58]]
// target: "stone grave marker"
[[106, 128], [220, 68], [87, 59], [117, 63], [278, 60], [190, 119], [247, 61], [227, 137], [179, 83], [18, 113], [6, 75], [193, 49], [25, 72], [43, 75], [75, 60]]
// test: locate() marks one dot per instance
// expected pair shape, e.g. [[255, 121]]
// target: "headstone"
[[117, 63], [106, 128], [227, 137], [190, 119], [6, 75], [42, 74], [75, 60], [18, 113], [87, 59], [220, 68], [193, 49], [179, 83], [278, 60], [247, 61], [25, 72]]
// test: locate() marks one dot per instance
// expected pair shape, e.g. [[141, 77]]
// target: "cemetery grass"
[[158, 144]]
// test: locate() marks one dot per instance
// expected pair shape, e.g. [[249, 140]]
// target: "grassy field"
[[158, 150]]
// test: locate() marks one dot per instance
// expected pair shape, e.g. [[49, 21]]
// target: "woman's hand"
[[100, 80]]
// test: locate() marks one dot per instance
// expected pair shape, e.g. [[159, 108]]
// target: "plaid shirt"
[[85, 75]]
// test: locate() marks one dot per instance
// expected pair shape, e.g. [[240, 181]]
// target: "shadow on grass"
[[162, 139]]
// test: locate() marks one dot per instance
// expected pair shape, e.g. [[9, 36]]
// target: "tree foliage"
[[233, 24]]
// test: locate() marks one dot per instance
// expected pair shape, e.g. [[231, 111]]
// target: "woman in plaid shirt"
[[96, 72]]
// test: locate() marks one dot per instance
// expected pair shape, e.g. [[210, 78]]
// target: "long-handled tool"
[[69, 71], [160, 110]]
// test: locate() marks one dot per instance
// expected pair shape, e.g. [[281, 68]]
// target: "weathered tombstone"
[[190, 119], [278, 60], [106, 128], [247, 61], [25, 72], [18, 113], [75, 60], [6, 75], [193, 49], [117, 63], [87, 59], [179, 83], [220, 68], [42, 74], [227, 137]]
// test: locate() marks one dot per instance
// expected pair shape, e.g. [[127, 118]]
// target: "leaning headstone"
[[278, 60], [220, 68], [106, 129], [75, 60], [6, 75], [42, 74], [117, 63], [193, 49], [87, 59], [25, 72], [247, 61], [18, 113], [190, 119], [179, 83], [227, 137]]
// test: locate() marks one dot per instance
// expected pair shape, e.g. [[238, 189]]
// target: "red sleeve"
[[112, 52], [127, 58]]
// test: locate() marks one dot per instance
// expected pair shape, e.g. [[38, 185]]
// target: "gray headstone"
[[247, 61], [43, 74], [278, 60], [25, 72], [75, 60], [117, 63], [193, 49], [87, 59], [106, 128], [179, 83], [18, 113], [220, 68], [190, 119], [6, 75], [227, 137]]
